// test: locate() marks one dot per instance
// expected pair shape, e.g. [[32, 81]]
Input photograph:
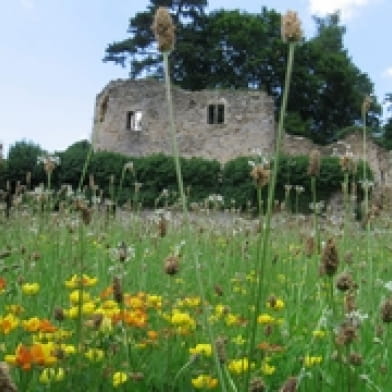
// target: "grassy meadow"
[[96, 301], [98, 298]]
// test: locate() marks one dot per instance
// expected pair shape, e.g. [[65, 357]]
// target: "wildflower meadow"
[[98, 297]]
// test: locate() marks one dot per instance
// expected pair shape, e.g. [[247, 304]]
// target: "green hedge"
[[156, 173]]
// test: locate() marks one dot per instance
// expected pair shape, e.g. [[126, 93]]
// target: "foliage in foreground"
[[94, 302]]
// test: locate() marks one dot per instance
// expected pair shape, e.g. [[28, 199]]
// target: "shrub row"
[[153, 174]]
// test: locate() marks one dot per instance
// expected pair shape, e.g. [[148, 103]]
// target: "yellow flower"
[[74, 296], [319, 333], [8, 323], [232, 319], [72, 312], [49, 375], [201, 349], [239, 366], [182, 319], [88, 307], [119, 378], [30, 288], [276, 304], [68, 349], [75, 281], [32, 324], [204, 381], [265, 318], [267, 369], [94, 354], [154, 301], [310, 361], [238, 340]]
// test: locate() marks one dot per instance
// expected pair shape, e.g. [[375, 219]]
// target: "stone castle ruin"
[[131, 118]]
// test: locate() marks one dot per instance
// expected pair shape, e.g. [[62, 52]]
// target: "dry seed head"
[[220, 347], [329, 258], [314, 163], [6, 384], [309, 246], [386, 311], [290, 385], [117, 290], [163, 29], [355, 359], [347, 334], [291, 27], [257, 385], [58, 313], [344, 281], [261, 175], [349, 302], [172, 265]]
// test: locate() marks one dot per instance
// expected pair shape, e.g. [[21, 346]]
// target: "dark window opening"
[[216, 114], [103, 108], [134, 120]]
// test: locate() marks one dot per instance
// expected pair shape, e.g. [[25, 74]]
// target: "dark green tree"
[[233, 49], [22, 158], [140, 49]]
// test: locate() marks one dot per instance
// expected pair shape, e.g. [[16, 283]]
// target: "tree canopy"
[[239, 50]]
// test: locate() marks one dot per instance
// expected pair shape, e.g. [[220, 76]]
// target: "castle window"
[[134, 120], [216, 114], [103, 108]]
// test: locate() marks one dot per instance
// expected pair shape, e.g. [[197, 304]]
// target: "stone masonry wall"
[[248, 125], [378, 158], [248, 121]]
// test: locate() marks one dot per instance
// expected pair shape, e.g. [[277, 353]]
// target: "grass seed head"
[[314, 163], [329, 259], [345, 282], [172, 265], [163, 29], [6, 384], [355, 359], [260, 175], [290, 385], [347, 334], [118, 294], [220, 347], [386, 311], [257, 385], [291, 27]]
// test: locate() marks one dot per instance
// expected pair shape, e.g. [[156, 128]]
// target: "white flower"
[[388, 285]]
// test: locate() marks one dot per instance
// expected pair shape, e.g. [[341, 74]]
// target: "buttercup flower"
[[30, 288], [202, 349], [119, 378], [204, 381]]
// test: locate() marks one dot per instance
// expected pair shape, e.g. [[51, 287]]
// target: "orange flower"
[[46, 326], [3, 284], [106, 293], [38, 354]]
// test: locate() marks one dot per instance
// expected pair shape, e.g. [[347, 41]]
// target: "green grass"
[[50, 249]]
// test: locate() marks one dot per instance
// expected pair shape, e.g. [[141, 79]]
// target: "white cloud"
[[347, 8], [387, 73]]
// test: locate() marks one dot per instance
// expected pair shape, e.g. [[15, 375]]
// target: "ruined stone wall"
[[378, 158], [248, 121], [248, 124]]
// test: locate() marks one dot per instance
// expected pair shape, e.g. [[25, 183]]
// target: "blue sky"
[[51, 51]]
